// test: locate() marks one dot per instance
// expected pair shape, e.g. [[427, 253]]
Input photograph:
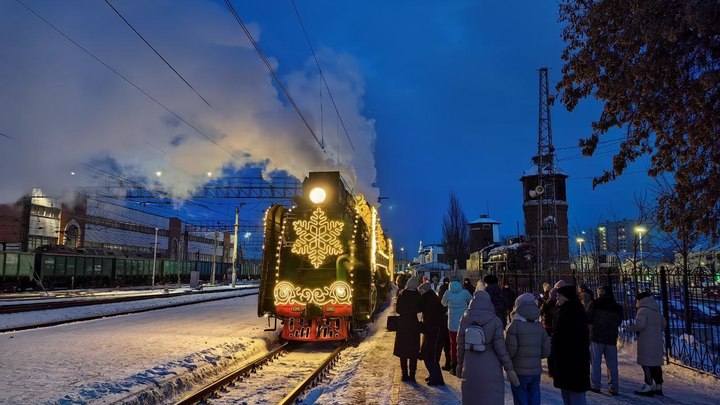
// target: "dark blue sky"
[[438, 97], [453, 89]]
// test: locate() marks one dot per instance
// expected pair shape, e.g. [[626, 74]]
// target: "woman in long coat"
[[649, 324], [434, 326], [481, 372], [407, 336], [570, 345]]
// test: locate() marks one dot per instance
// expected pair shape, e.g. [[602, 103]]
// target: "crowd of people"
[[485, 329]]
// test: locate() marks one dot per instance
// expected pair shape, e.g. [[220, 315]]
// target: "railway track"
[[87, 300], [251, 291], [281, 376]]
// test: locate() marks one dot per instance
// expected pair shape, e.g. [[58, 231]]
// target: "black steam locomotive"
[[326, 262]]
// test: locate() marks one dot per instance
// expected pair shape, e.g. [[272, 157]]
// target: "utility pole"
[[154, 256], [235, 245], [212, 273]]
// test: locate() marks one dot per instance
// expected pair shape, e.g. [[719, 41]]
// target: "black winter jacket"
[[605, 315], [570, 361]]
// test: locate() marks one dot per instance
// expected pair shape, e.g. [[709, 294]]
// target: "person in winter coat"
[[446, 345], [433, 325], [467, 284], [497, 297], [585, 295], [481, 371], [604, 316], [407, 336], [548, 310], [527, 343], [456, 299], [649, 324], [443, 287], [570, 363], [400, 280], [509, 295]]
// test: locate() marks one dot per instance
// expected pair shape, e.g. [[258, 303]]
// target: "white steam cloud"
[[61, 109]]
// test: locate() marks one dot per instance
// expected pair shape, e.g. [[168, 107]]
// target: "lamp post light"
[[154, 256], [580, 241], [243, 258], [639, 229]]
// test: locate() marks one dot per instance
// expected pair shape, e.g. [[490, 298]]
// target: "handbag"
[[392, 323]]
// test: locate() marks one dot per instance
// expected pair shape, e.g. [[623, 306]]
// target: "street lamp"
[[580, 241], [639, 229], [154, 257]]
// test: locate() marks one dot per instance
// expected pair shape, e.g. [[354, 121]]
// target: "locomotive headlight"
[[317, 195]]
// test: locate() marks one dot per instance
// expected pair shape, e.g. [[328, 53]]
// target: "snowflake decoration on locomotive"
[[317, 237]]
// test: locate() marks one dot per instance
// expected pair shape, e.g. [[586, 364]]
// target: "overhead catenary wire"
[[153, 99], [156, 52], [322, 75], [272, 72]]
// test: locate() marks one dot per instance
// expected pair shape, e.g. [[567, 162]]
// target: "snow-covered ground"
[[143, 357]]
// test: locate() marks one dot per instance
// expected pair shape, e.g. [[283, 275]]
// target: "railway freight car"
[[326, 262]]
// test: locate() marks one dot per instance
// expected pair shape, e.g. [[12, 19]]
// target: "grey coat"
[[526, 340], [481, 372], [649, 324]]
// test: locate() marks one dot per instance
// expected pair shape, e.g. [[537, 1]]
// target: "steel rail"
[[207, 391], [300, 389]]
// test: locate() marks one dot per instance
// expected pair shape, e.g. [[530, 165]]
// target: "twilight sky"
[[437, 97]]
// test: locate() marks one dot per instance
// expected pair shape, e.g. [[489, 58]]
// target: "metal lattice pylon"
[[547, 222]]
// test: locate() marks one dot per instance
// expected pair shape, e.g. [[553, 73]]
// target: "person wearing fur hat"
[[649, 324], [407, 336], [481, 371], [433, 326], [527, 343], [570, 346], [456, 299], [604, 316]]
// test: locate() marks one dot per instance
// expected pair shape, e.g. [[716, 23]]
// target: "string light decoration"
[[317, 237], [287, 294]]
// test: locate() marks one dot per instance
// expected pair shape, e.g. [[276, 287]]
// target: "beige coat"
[[649, 324]]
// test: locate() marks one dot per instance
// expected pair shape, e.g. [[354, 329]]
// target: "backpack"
[[475, 338]]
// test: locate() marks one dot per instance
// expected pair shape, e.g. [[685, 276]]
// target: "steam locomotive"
[[327, 263]]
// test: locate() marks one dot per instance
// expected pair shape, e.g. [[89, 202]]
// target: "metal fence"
[[689, 301]]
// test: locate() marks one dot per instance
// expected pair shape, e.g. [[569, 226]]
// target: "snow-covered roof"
[[484, 220], [432, 266], [504, 248]]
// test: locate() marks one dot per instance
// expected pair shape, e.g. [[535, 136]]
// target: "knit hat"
[[527, 297], [490, 279], [424, 287], [560, 283], [568, 291], [553, 293], [412, 283]]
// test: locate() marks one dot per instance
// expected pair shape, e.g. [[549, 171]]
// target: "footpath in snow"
[[375, 379]]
